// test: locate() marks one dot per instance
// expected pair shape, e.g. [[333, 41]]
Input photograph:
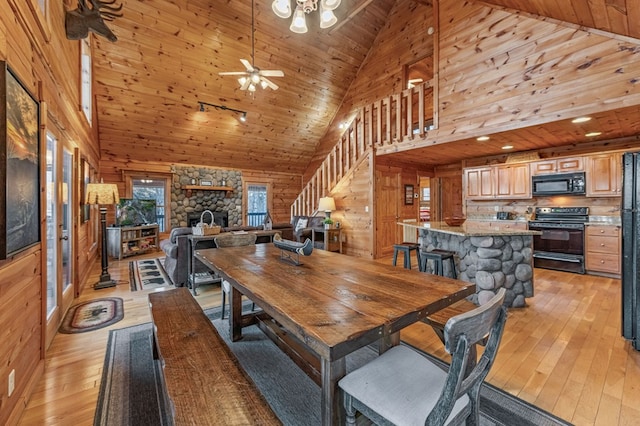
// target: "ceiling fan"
[[254, 76]]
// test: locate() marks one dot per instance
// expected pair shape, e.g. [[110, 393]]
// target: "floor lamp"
[[103, 194]]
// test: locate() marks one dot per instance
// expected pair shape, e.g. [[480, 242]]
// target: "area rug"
[[92, 315], [293, 396], [148, 274]]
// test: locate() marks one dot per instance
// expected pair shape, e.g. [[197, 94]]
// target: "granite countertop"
[[469, 229]]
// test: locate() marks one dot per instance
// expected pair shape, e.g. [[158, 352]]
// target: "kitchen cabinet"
[[508, 181], [604, 175], [478, 183], [603, 249], [557, 165], [513, 181]]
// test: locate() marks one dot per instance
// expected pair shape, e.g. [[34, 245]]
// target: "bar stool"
[[438, 256], [406, 249]]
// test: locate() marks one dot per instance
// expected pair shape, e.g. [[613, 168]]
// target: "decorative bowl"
[[454, 220]]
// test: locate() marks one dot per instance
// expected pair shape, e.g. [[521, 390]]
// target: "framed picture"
[[85, 173], [408, 194], [20, 173]]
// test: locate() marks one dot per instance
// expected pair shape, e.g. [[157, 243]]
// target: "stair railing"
[[393, 120]]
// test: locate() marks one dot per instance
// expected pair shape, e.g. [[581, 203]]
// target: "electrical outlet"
[[12, 382]]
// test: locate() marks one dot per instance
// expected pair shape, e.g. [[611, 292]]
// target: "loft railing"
[[394, 120]]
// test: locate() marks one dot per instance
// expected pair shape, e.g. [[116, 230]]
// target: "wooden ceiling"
[[168, 56]]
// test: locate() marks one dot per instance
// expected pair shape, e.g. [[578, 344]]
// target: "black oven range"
[[561, 244]]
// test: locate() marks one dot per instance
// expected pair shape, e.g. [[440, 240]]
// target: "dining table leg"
[[333, 411], [235, 314]]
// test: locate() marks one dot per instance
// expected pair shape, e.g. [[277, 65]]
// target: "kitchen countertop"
[[469, 229]]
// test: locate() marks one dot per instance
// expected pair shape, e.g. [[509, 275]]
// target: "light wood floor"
[[563, 353]]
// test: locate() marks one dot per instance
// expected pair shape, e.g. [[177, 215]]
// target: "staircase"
[[394, 120]]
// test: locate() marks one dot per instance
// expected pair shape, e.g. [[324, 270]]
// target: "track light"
[[243, 114]]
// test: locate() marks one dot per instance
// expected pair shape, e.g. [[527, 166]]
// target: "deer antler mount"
[[80, 21]]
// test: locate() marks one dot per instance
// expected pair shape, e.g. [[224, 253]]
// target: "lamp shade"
[[327, 204], [102, 193]]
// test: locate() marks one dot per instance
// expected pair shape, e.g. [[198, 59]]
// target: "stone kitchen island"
[[488, 255]]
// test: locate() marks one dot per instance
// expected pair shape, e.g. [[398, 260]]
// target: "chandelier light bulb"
[[263, 84], [299, 23], [255, 78], [330, 4], [327, 17], [282, 8], [252, 87], [242, 80]]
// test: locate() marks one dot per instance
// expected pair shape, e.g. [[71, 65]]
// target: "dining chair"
[[403, 387], [232, 240]]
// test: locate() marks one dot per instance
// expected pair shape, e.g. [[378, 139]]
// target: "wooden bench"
[[203, 380], [438, 319]]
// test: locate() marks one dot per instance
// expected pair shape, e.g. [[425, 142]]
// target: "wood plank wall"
[[37, 50], [503, 71], [402, 41], [285, 187], [354, 196]]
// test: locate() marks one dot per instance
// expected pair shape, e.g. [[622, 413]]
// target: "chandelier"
[[282, 8]]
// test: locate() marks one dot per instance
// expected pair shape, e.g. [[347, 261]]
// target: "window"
[[257, 203], [152, 189], [85, 75]]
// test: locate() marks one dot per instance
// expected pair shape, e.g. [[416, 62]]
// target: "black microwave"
[[559, 184]]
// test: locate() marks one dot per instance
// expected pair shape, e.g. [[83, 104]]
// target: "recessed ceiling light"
[[482, 138], [581, 120], [507, 147], [592, 134]]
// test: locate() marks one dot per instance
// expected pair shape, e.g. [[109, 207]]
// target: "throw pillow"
[[302, 223]]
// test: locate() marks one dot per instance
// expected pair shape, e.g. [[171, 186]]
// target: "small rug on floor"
[[148, 274], [293, 396], [92, 315]]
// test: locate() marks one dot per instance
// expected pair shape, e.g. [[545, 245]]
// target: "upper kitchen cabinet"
[[509, 181], [604, 175], [513, 181], [478, 183], [557, 165]]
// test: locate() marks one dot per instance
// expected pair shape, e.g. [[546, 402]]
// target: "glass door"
[[59, 238]]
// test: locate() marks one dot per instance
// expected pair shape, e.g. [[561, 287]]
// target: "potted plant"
[[327, 222]]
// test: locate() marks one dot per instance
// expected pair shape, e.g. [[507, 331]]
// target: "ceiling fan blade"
[[272, 73], [270, 83], [233, 73], [247, 65]]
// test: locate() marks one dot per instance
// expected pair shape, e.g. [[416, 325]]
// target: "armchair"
[[176, 250], [303, 226]]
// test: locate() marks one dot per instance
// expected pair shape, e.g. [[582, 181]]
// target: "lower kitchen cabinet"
[[603, 249]]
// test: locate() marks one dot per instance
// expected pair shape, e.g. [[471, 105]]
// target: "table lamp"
[[328, 205], [103, 194]]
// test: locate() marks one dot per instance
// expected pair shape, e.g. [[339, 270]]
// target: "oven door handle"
[[560, 259]]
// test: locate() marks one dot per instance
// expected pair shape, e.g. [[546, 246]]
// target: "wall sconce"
[[242, 114]]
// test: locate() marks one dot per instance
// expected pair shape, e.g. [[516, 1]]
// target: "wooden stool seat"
[[438, 319], [406, 249], [438, 256]]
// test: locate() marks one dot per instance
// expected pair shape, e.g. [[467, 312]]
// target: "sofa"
[[176, 248]]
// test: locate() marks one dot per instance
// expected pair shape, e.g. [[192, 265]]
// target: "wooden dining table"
[[328, 306]]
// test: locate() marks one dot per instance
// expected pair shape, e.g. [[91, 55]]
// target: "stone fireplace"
[[188, 204]]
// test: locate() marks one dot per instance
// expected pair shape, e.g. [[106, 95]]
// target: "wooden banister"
[[393, 120]]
